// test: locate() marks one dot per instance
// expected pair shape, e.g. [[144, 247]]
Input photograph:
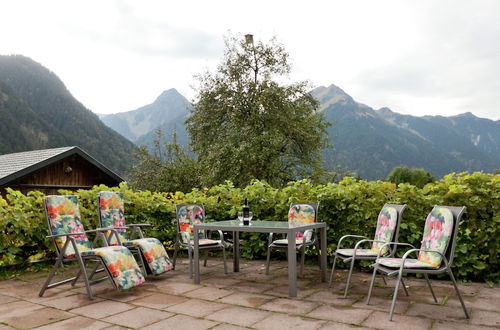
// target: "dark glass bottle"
[[246, 212]]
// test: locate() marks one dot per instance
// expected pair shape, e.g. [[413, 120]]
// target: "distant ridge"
[[38, 112]]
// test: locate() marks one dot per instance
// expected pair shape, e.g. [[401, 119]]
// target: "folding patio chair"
[[298, 213], [187, 216], [72, 244], [387, 230], [435, 254], [112, 214]]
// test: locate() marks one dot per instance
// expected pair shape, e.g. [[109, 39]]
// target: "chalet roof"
[[16, 165]]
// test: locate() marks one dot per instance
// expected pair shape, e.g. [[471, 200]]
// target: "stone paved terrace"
[[248, 299]]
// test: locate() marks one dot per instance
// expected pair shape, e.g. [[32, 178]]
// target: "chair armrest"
[[407, 253], [346, 236], [392, 243], [69, 234], [139, 225]]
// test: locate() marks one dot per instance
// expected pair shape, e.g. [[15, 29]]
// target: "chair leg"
[[371, 286], [206, 258], [404, 287], [92, 273], [395, 295], [76, 277], [318, 248], [383, 279], [349, 277], [268, 259], [430, 287], [51, 275], [176, 247], [85, 277], [224, 258], [302, 260], [333, 271], [190, 258], [458, 293]]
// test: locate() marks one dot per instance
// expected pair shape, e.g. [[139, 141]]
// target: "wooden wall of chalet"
[[72, 173]]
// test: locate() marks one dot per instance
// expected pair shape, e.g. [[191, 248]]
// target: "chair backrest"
[[440, 233], [63, 217], [303, 213], [187, 216], [111, 212], [388, 222]]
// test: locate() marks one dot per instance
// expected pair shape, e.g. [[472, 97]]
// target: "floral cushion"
[[64, 218], [359, 252], [112, 213], [187, 216], [396, 263], [154, 253], [386, 224], [120, 264], [206, 241], [437, 233], [285, 241], [299, 214]]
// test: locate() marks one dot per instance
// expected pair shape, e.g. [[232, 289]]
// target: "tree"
[[415, 176], [246, 124], [168, 168]]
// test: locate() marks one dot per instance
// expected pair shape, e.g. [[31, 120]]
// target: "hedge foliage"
[[349, 207]]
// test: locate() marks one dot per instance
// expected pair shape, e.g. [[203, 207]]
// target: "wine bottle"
[[246, 210]]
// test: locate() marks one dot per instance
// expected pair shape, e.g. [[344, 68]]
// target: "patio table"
[[263, 227]]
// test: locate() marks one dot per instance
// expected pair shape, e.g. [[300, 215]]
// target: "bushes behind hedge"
[[349, 207]]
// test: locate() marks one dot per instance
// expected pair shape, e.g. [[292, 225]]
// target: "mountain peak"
[[169, 95], [330, 95]]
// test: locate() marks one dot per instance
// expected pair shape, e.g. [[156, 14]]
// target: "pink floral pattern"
[[300, 214], [437, 233], [386, 224], [359, 252], [396, 263], [187, 216]]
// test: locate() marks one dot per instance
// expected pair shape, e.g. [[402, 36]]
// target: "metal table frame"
[[263, 227]]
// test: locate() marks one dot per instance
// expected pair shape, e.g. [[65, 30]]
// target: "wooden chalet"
[[49, 170]]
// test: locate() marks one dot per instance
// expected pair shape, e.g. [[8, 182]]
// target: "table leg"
[[324, 264], [236, 252], [196, 257], [292, 265]]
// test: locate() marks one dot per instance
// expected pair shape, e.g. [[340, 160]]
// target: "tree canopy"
[[415, 176], [249, 123]]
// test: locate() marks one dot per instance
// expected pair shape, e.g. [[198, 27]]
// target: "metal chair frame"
[[352, 259], [300, 247], [190, 247], [445, 267]]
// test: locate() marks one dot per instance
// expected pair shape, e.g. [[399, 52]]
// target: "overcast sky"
[[415, 57]]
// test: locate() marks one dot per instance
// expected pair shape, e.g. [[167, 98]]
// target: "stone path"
[[249, 299]]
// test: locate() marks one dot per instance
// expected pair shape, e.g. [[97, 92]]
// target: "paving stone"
[[25, 290], [341, 326], [225, 326], [125, 296], [488, 292], [36, 318], [340, 313], [208, 293], [196, 308], [238, 315], [444, 325], [158, 300], [246, 299], [78, 322], [137, 318], [102, 309], [6, 299], [382, 304], [177, 288], [17, 308], [290, 306], [70, 302], [490, 304], [251, 287], [182, 322], [282, 291], [380, 320], [326, 296], [436, 312], [220, 282], [485, 318], [281, 321]]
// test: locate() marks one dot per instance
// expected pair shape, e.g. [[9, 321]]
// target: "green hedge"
[[349, 207]]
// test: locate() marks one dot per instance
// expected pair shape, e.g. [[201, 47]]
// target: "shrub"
[[349, 207]]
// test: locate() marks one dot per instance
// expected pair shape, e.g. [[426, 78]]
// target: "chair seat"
[[359, 252], [154, 253], [409, 263], [285, 241], [206, 241]]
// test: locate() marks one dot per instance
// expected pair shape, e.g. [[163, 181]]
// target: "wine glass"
[[250, 216], [240, 216]]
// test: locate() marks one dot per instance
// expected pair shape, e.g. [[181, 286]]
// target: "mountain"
[[372, 142], [38, 112], [167, 112]]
